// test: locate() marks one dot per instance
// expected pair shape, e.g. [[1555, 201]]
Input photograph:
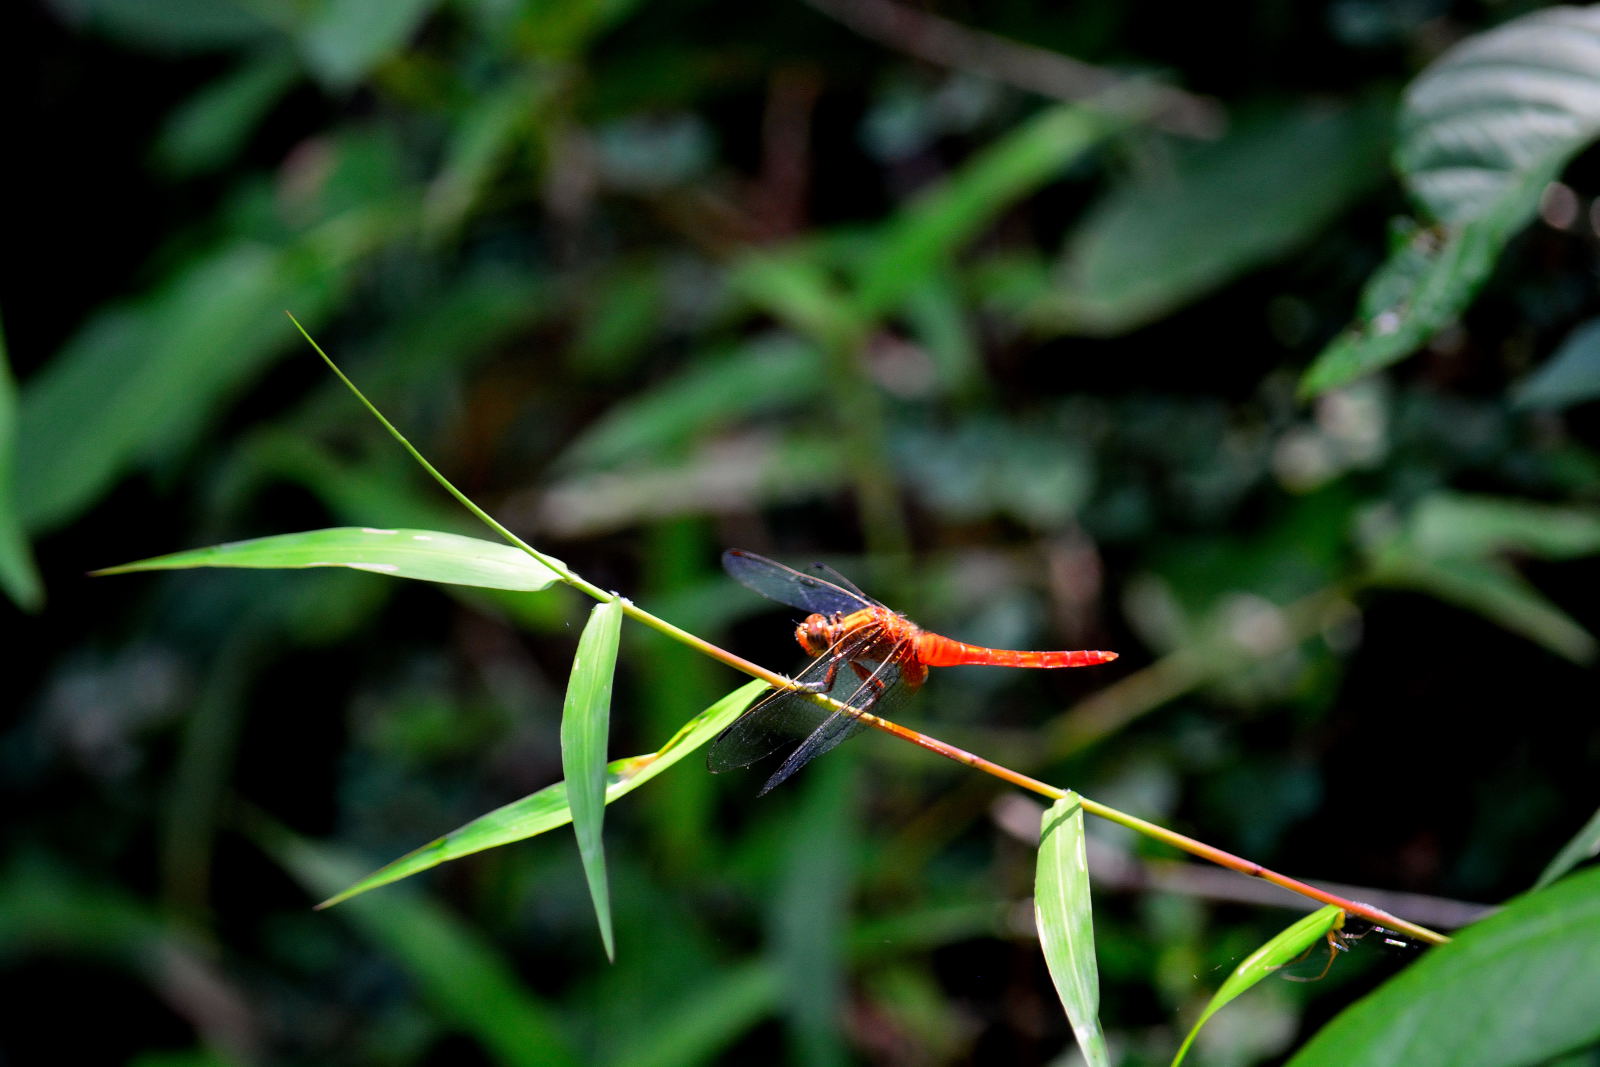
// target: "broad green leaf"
[[548, 808], [210, 128], [1482, 132], [766, 374], [1585, 845], [1520, 987], [1422, 288], [19, 577], [1448, 548], [1570, 376], [423, 554], [346, 39], [1519, 99], [924, 237], [1267, 187], [1065, 917], [585, 728], [149, 375], [461, 975], [1285, 947]]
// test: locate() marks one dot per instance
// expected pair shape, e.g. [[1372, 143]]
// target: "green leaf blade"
[[585, 727], [1585, 845], [1518, 987], [1284, 947], [426, 555], [19, 576], [1063, 912], [548, 808], [932, 229]]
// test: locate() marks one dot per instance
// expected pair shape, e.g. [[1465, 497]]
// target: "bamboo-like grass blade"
[[585, 726], [548, 809], [1284, 947], [427, 555], [1065, 919]]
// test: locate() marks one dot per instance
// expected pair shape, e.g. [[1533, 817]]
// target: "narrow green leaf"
[[19, 577], [1284, 947], [486, 134], [1493, 590], [1522, 97], [1570, 376], [423, 554], [1216, 210], [1482, 131], [210, 128], [1519, 987], [1456, 524], [929, 231], [1585, 845], [765, 374], [585, 728], [1422, 288], [548, 808], [1064, 914], [460, 975]]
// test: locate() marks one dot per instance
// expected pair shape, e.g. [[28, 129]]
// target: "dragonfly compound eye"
[[813, 634]]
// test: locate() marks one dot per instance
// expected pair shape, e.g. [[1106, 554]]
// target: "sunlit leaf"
[[1570, 376], [423, 554], [1285, 947], [585, 729], [1585, 845], [19, 577], [1271, 184], [1482, 133], [1065, 918], [1518, 99], [1519, 987], [455, 970], [548, 808]]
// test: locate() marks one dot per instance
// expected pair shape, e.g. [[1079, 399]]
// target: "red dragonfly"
[[866, 655]]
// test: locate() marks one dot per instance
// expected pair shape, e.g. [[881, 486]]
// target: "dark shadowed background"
[[842, 281]]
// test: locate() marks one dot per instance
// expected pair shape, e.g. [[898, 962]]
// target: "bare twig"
[[949, 44]]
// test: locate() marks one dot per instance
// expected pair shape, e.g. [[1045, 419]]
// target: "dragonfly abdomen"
[[936, 651]]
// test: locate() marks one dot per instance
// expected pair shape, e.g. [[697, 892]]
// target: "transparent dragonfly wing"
[[791, 724], [816, 593]]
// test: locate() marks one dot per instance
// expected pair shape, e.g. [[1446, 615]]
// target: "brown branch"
[[938, 40]]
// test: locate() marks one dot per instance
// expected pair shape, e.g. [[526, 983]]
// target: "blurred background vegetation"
[[837, 280]]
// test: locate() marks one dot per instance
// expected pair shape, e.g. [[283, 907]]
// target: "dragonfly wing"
[[838, 728], [866, 689], [810, 593], [828, 574], [790, 720]]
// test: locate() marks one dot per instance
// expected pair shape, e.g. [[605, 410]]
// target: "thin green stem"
[[932, 744]]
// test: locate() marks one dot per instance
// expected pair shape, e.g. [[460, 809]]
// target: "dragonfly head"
[[814, 634]]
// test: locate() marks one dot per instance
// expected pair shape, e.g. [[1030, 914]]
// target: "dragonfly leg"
[[872, 688]]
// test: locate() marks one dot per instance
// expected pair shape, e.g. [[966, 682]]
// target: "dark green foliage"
[[1241, 385]]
